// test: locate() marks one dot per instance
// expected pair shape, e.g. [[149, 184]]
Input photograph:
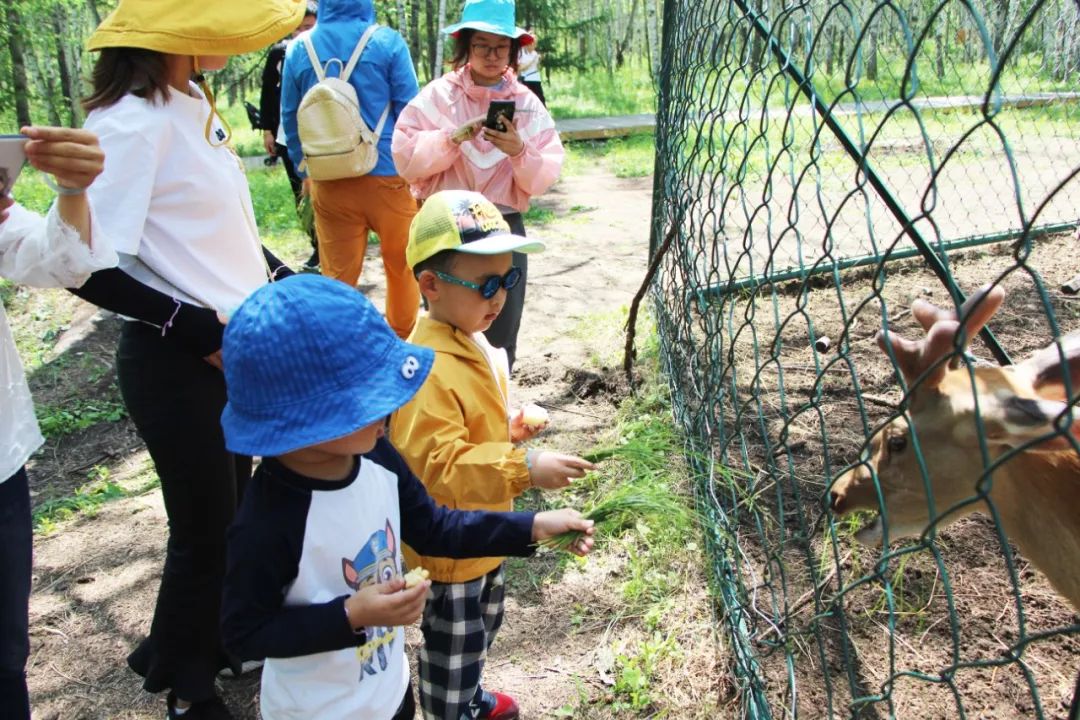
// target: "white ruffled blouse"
[[41, 252]]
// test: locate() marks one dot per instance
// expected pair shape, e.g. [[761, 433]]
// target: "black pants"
[[407, 709], [295, 182], [16, 548], [504, 331], [537, 88], [175, 400]]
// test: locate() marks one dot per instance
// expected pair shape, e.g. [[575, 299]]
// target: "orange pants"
[[344, 212]]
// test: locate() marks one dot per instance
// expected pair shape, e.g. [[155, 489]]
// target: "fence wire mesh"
[[821, 166]]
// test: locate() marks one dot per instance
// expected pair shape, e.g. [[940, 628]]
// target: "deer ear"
[[915, 357], [1019, 420], [1048, 370]]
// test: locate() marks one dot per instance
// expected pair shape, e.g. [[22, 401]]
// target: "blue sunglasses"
[[491, 284]]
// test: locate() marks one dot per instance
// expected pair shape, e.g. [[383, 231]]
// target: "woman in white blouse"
[[57, 251], [174, 202]]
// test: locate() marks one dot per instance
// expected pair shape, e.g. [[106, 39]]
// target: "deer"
[[1023, 410]]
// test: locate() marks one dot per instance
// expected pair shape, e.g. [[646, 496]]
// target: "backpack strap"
[[358, 51], [377, 131], [316, 64]]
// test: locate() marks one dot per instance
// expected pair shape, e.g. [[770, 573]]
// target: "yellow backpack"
[[336, 141]]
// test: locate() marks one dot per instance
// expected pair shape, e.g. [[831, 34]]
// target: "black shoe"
[[312, 263], [212, 709]]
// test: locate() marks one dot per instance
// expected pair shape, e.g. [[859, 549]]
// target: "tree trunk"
[[68, 88], [871, 57], [18, 66], [622, 47], [939, 53], [403, 19], [430, 27], [439, 38], [414, 33], [1001, 25], [46, 88], [94, 12], [830, 49], [651, 42]]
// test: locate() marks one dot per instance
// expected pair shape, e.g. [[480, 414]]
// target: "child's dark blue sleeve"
[[436, 531], [264, 547]]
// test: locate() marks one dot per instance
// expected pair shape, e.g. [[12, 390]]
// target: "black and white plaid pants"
[[459, 624]]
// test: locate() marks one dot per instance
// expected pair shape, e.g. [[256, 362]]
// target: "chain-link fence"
[[822, 166]]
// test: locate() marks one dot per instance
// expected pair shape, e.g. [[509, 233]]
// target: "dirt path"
[[96, 578]]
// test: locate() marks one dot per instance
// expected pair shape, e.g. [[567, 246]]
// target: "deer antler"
[[918, 357]]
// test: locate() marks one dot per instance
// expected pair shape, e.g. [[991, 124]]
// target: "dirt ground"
[[96, 576]]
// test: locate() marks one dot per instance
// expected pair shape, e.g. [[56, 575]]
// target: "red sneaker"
[[498, 706]]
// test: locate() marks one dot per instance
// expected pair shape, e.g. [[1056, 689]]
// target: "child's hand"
[[552, 470], [387, 604], [528, 422], [550, 523]]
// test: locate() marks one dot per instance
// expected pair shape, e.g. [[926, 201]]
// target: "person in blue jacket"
[[346, 209]]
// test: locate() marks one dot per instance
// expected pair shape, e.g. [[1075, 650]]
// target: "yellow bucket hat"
[[198, 27]]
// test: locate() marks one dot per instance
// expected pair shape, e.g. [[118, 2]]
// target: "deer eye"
[[897, 443]]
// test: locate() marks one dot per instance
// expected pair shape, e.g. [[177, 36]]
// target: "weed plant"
[[88, 498]]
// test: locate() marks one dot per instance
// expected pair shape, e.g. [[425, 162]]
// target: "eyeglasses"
[[491, 284], [491, 51]]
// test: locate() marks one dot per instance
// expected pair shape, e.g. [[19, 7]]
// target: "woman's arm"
[[421, 148], [197, 328]]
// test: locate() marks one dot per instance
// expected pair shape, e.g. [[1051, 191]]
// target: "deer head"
[[948, 409]]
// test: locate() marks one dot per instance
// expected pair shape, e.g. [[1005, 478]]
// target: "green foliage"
[[247, 141], [632, 156], [99, 489], [87, 498], [31, 191], [537, 215], [634, 671], [627, 91], [78, 415]]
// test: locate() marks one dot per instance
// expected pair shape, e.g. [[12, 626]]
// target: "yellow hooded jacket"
[[455, 436]]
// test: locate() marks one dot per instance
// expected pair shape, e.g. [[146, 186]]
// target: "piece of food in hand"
[[415, 576], [534, 416], [462, 134]]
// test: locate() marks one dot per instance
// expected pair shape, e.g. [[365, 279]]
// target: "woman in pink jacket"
[[440, 143]]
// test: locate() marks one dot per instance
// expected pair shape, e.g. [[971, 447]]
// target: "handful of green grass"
[[628, 504]]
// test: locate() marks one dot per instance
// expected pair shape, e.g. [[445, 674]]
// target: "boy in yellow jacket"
[[458, 434]]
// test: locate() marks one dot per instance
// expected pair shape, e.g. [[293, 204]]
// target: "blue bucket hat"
[[493, 16], [309, 359]]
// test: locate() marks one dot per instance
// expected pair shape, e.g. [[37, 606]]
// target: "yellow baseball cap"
[[198, 27], [463, 221]]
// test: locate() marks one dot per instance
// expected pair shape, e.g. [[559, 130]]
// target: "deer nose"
[[838, 502]]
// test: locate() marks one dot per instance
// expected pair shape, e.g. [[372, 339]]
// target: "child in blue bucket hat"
[[314, 582]]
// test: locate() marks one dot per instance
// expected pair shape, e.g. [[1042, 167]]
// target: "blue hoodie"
[[384, 74]]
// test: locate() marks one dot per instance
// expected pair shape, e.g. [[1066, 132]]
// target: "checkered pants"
[[460, 622]]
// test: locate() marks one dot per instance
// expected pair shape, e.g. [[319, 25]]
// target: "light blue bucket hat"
[[309, 359], [493, 16]]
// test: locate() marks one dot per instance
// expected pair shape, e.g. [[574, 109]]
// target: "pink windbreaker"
[[427, 158]]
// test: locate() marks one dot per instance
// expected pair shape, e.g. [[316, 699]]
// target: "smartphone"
[[12, 159], [505, 108]]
